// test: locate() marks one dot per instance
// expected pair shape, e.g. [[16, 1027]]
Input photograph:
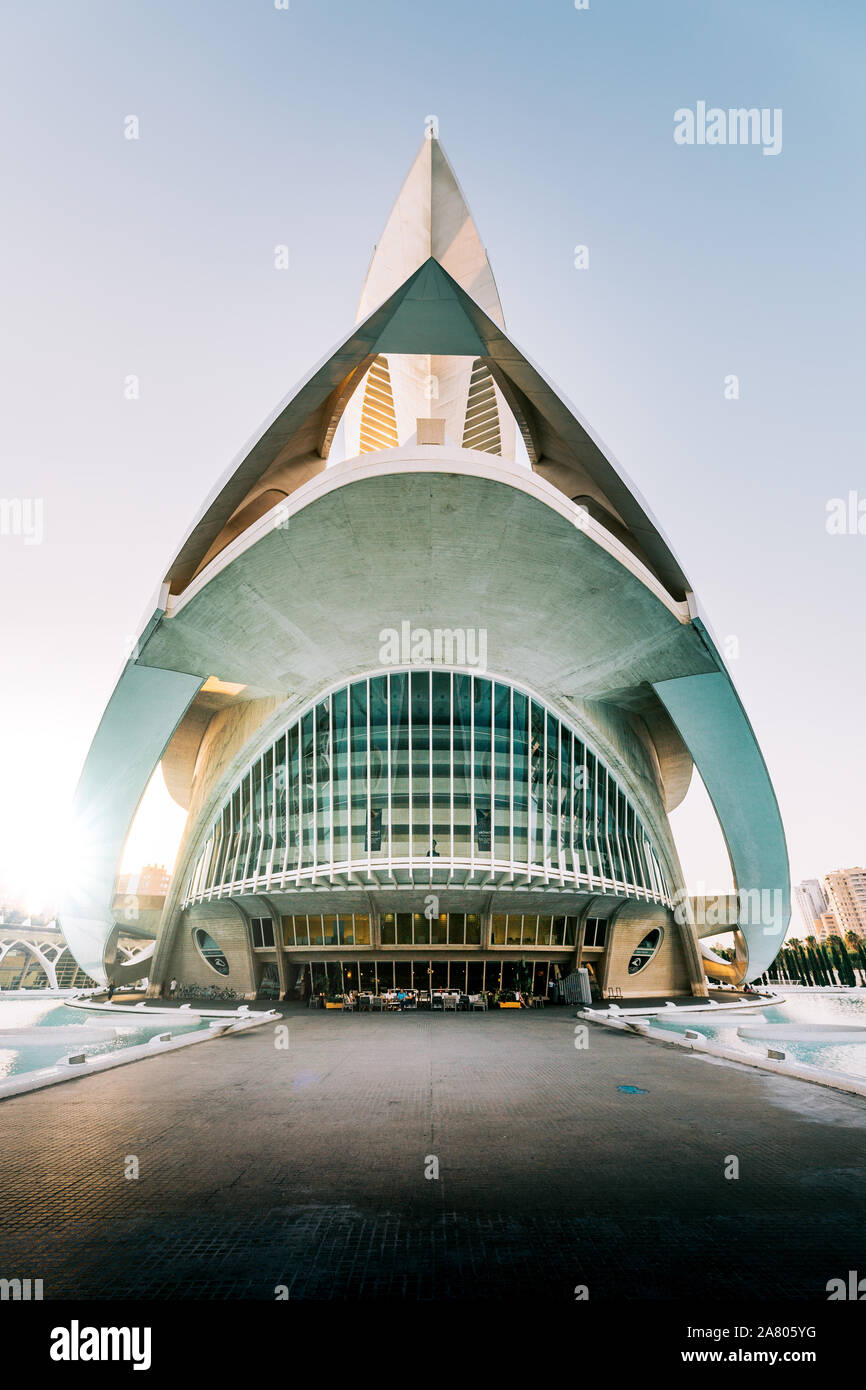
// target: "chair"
[[478, 1001], [450, 1003], [348, 1003], [377, 1003]]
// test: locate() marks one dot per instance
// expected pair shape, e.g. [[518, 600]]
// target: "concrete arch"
[[32, 949]]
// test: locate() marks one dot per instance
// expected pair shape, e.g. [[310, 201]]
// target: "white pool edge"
[[711, 1006], [703, 1047], [64, 1071]]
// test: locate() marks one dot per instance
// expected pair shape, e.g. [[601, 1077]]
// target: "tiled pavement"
[[262, 1166]]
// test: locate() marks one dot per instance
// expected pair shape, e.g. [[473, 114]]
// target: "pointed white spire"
[[430, 218]]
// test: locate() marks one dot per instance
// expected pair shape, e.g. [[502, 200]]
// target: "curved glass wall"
[[428, 777]]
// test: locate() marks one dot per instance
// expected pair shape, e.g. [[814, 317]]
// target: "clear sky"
[[259, 127]]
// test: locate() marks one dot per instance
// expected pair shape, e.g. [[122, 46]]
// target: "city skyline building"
[[826, 926], [152, 880], [428, 707], [812, 903], [846, 898]]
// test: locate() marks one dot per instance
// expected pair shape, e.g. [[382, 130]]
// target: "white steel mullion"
[[571, 768], [273, 817], [606, 822], [451, 760], [332, 755], [264, 818], [511, 781], [647, 849], [300, 804], [237, 853], [287, 789], [492, 778], [545, 829], [228, 860], [530, 833], [591, 823], [369, 790], [616, 839], [628, 839], [390, 810], [411, 754], [315, 830], [430, 773], [225, 867], [213, 866], [472, 831], [250, 867], [560, 848], [350, 860], [639, 841]]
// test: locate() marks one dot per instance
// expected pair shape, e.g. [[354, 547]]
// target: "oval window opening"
[[210, 951], [644, 952]]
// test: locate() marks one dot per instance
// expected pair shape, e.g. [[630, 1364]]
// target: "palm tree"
[[854, 942]]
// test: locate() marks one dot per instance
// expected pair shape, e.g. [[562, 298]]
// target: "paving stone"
[[305, 1167]]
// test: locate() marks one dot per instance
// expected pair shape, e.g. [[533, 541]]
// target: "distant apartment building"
[[846, 898], [151, 882], [827, 926], [812, 902]]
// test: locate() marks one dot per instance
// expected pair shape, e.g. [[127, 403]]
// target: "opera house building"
[[429, 703]]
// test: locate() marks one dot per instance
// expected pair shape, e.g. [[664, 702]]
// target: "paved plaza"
[[304, 1167]]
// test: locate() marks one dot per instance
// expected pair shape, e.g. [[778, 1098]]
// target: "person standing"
[[172, 989]]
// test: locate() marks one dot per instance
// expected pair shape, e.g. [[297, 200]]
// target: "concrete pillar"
[[282, 966]]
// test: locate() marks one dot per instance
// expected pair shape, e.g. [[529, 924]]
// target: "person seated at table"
[[401, 999]]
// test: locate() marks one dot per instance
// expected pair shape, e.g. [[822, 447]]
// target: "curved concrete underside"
[[442, 538], [430, 313], [439, 539], [714, 725]]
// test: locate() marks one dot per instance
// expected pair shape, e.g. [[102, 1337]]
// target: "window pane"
[[421, 929], [399, 702], [457, 975]]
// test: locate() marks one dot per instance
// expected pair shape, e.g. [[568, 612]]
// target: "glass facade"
[[326, 929], [428, 777], [469, 976], [533, 929]]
